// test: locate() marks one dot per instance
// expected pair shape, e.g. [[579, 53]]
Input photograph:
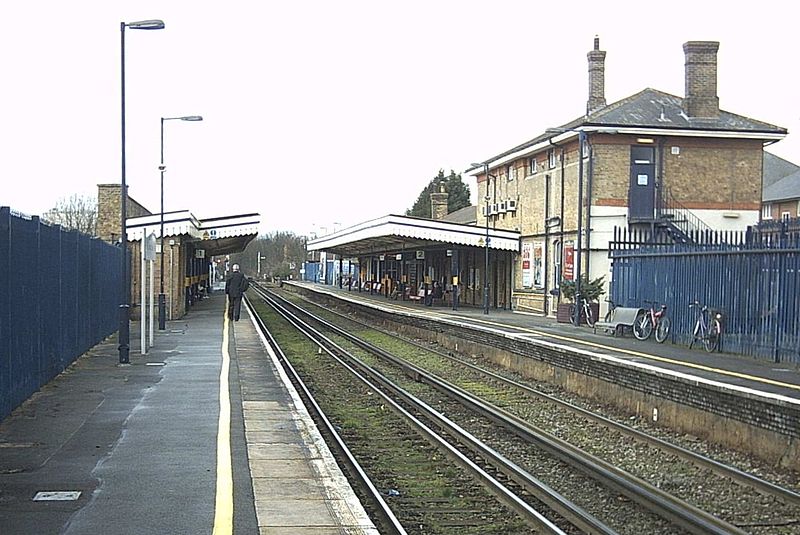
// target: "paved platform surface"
[[132, 449], [742, 372]]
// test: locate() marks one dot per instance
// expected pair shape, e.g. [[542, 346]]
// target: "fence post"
[[5, 312]]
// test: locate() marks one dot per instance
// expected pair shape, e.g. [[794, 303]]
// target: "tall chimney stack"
[[597, 78], [439, 203], [701, 79]]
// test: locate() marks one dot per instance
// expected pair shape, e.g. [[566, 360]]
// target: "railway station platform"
[[737, 371], [154, 447]]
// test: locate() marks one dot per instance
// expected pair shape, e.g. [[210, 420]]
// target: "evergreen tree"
[[458, 195]]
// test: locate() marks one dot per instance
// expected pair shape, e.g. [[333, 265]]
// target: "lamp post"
[[162, 298], [124, 307], [486, 244], [578, 240]]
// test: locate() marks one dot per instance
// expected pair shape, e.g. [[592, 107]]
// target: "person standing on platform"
[[235, 287]]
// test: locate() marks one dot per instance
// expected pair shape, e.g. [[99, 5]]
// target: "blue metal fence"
[[59, 296], [753, 277]]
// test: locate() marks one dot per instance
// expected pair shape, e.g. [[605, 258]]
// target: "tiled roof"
[[467, 215], [651, 108], [775, 168], [655, 109], [786, 188]]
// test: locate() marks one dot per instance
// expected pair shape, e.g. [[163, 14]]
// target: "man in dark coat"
[[235, 287]]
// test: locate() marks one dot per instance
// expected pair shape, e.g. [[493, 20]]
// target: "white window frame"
[[766, 211], [786, 215], [511, 172], [552, 159], [533, 166]]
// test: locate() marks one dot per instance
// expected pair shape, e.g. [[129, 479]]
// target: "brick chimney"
[[597, 78], [108, 212], [439, 203], [701, 79]]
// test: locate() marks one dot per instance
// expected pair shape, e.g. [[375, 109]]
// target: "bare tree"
[[77, 212]]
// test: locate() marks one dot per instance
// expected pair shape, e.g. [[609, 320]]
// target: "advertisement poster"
[[538, 264], [569, 261], [527, 274]]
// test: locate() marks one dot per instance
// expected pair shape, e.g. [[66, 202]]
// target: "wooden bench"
[[621, 317]]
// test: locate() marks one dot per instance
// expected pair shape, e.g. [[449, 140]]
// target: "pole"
[[124, 325], [151, 265], [162, 299], [578, 241], [143, 297], [486, 262]]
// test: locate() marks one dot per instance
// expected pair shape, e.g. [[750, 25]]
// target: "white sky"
[[320, 113]]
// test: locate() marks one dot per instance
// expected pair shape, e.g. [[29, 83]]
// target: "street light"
[[486, 245], [578, 241], [124, 307], [162, 299]]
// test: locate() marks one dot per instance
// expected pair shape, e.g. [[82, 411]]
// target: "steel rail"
[[360, 370], [761, 485], [670, 507], [387, 516]]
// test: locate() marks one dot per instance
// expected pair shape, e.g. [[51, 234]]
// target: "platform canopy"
[[220, 235], [394, 233]]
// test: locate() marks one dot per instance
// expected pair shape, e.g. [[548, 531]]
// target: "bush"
[[592, 290]]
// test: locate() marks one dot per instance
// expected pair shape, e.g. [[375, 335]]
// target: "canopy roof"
[[394, 233], [220, 235]]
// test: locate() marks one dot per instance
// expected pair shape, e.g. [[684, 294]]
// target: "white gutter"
[[635, 131]]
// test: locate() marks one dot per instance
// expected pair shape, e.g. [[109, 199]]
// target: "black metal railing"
[[678, 221]]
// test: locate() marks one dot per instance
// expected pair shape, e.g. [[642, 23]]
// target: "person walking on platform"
[[235, 287]]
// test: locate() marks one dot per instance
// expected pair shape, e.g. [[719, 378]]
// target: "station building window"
[[532, 166]]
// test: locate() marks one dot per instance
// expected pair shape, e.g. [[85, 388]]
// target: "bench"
[[420, 295], [621, 317]]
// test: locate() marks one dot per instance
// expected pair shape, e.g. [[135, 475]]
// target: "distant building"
[[781, 193], [652, 160]]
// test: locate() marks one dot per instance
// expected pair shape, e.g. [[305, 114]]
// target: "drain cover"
[[57, 496]]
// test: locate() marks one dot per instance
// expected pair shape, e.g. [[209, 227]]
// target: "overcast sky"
[[321, 113]]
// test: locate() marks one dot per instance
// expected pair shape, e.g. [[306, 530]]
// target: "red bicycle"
[[652, 320]]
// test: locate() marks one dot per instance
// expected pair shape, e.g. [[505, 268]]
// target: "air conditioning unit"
[[502, 207], [511, 205], [494, 209]]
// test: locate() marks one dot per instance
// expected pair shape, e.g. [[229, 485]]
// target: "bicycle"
[[586, 311], [652, 320], [707, 327], [610, 314]]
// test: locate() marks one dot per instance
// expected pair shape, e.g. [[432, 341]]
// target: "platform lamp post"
[[124, 307], [486, 244], [578, 240], [162, 298]]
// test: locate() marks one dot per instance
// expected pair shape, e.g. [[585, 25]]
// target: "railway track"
[[675, 512]]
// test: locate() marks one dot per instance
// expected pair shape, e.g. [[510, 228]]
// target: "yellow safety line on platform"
[[720, 371], [223, 510]]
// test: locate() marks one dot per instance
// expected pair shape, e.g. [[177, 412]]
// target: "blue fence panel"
[[58, 297], [5, 312], [753, 278]]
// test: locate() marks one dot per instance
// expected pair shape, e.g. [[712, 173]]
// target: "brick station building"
[[652, 160]]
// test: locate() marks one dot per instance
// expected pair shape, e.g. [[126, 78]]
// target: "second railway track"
[[675, 515]]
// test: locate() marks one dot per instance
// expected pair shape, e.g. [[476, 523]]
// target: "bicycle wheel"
[[711, 342], [639, 325], [662, 329], [572, 314], [590, 319]]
